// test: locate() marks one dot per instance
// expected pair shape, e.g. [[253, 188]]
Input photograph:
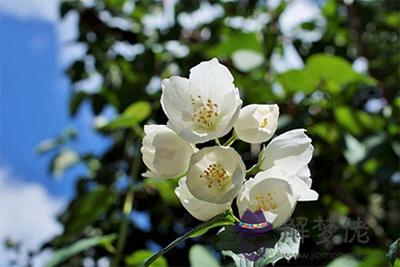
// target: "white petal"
[[175, 97], [274, 182], [229, 160], [199, 209], [304, 174], [257, 123], [165, 154], [212, 77], [301, 189], [290, 151]]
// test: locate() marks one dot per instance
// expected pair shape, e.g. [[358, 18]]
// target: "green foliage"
[[394, 251], [87, 209], [200, 256], [199, 230], [137, 259], [132, 115], [282, 243], [79, 246], [356, 148]]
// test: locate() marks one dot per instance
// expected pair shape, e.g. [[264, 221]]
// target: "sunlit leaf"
[[88, 208], [134, 114], [137, 258], [262, 250], [394, 251], [65, 159], [64, 254], [200, 256]]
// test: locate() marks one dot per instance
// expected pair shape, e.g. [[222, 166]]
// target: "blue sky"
[[34, 100], [34, 95]]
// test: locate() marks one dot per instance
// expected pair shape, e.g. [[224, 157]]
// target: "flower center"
[[266, 203], [264, 122], [215, 174], [204, 113]]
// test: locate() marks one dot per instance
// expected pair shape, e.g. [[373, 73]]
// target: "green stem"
[[221, 220], [253, 170], [231, 140], [217, 141], [126, 210]]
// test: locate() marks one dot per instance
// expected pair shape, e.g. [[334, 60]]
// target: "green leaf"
[[165, 188], [220, 220], [327, 67], [77, 247], [345, 118], [134, 114], [200, 256], [88, 208], [298, 80], [235, 40], [65, 159], [345, 260], [394, 251], [267, 247], [138, 257]]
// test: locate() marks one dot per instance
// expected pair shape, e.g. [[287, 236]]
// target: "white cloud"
[[28, 215], [38, 9]]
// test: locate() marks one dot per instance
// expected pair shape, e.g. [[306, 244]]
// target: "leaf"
[[345, 118], [394, 251], [76, 101], [138, 257], [235, 40], [65, 159], [200, 256], [88, 208], [77, 247], [327, 67], [261, 250], [134, 114], [345, 260], [332, 72], [220, 220], [298, 80]]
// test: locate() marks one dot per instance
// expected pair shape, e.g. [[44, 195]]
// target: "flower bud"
[[257, 123], [165, 154]]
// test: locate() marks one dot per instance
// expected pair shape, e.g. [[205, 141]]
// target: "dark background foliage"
[[356, 149]]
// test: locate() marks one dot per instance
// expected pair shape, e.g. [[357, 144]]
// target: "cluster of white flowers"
[[205, 107]]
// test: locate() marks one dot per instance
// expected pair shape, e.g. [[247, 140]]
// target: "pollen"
[[216, 175], [264, 122], [266, 203], [204, 112]]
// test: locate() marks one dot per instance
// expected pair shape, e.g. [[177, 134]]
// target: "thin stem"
[[253, 170], [127, 208], [231, 140], [217, 142]]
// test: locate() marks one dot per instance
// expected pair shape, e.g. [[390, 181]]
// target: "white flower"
[[201, 210], [213, 180], [271, 192], [203, 107], [165, 154], [216, 174], [257, 123], [291, 152]]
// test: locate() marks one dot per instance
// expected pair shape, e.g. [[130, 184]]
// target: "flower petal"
[[290, 151], [301, 189], [199, 209]]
